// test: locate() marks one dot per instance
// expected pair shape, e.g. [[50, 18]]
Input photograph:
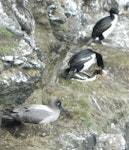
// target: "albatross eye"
[[58, 103]]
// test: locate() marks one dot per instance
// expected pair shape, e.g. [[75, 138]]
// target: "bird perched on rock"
[[24, 17], [37, 114], [26, 20], [104, 26], [82, 61]]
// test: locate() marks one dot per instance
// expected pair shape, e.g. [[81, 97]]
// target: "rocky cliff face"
[[20, 67], [97, 115]]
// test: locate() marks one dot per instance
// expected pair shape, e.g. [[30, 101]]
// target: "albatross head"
[[55, 103]]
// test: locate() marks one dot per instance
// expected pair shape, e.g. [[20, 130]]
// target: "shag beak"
[[101, 75], [99, 71], [123, 12]]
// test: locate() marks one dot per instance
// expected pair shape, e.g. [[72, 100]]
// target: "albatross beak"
[[63, 110]]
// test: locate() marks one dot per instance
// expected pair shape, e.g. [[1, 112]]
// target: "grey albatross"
[[35, 113]]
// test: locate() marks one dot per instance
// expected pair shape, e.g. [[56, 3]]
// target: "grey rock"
[[83, 141], [111, 141], [126, 133], [58, 20], [39, 0]]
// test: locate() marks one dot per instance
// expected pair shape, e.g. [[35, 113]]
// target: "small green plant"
[[7, 42], [4, 32], [84, 104], [89, 121], [85, 115], [64, 27]]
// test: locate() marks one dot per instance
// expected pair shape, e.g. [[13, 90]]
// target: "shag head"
[[114, 10], [67, 74], [98, 71]]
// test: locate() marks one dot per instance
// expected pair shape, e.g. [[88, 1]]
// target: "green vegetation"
[[7, 42], [4, 32], [64, 27], [84, 104]]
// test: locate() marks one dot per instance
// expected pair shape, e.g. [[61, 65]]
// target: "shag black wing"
[[101, 26], [81, 57]]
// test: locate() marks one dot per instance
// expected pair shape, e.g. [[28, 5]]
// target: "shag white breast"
[[90, 62], [107, 32]]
